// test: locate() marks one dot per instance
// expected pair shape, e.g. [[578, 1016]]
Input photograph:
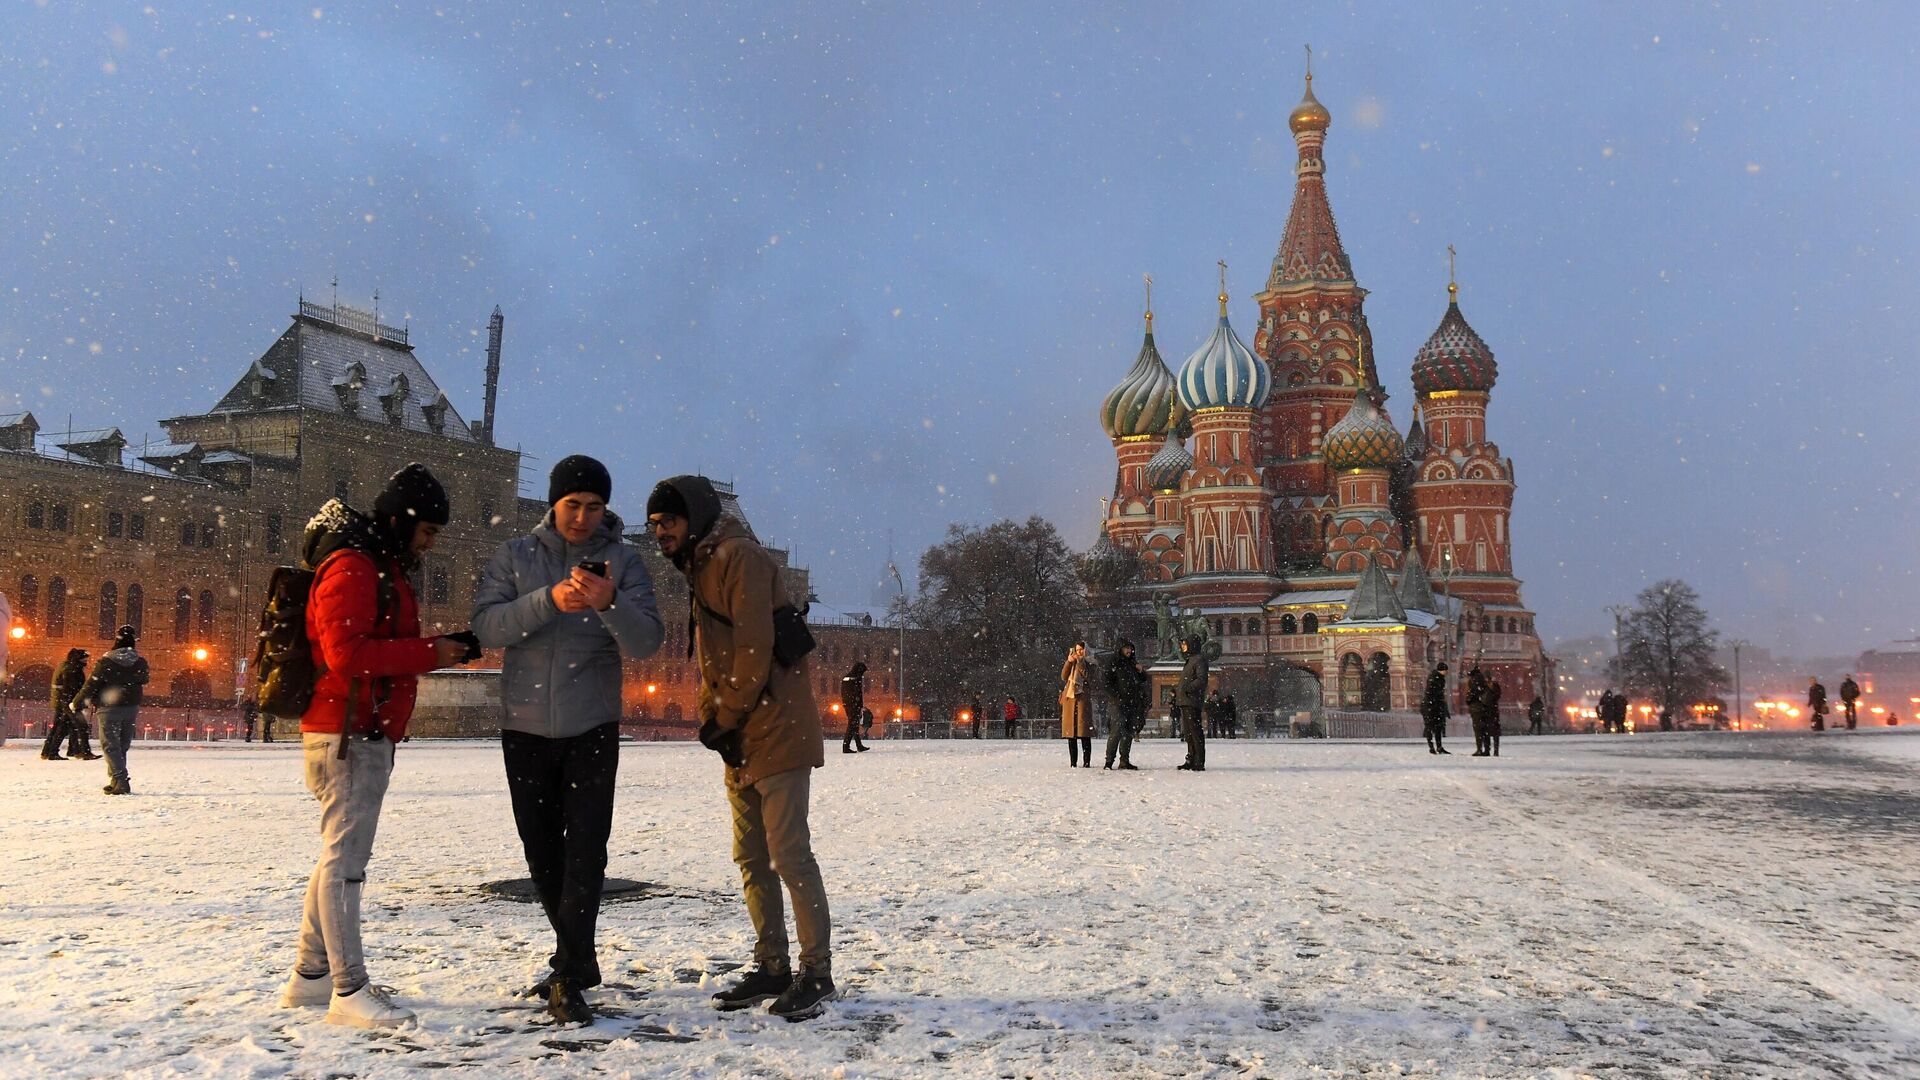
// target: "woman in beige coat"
[[1076, 708]]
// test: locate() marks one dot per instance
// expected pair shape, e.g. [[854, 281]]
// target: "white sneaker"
[[302, 992], [368, 1007]]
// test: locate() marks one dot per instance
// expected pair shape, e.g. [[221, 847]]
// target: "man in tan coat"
[[760, 717]]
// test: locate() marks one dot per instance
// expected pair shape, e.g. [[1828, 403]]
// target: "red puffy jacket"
[[385, 658]]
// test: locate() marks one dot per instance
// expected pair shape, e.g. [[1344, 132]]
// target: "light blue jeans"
[[351, 792]]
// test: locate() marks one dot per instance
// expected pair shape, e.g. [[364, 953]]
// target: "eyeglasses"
[[656, 524]]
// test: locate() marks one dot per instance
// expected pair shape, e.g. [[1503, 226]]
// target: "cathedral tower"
[[1137, 415], [1228, 552], [1361, 452], [1463, 489], [1312, 335]]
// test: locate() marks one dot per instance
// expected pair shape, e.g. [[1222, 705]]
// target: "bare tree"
[[1667, 648], [998, 603]]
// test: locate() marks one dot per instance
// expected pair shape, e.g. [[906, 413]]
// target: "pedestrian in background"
[[1849, 699], [1127, 687], [1817, 702], [1076, 707], [1434, 710], [68, 725], [853, 700], [1536, 716], [115, 688], [1193, 701], [1010, 713]]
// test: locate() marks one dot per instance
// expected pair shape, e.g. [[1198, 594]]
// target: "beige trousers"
[[772, 847]]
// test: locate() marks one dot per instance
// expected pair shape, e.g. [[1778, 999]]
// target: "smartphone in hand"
[[596, 567]]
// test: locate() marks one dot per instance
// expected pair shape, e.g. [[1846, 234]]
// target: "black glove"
[[467, 638], [725, 743]]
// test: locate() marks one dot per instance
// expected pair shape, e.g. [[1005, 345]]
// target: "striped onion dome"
[[1223, 372], [1364, 438], [1166, 468], [1454, 358], [1144, 403]]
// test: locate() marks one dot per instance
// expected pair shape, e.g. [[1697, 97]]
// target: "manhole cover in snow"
[[615, 890]]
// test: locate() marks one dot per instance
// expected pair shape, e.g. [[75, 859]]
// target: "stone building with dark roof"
[[179, 538]]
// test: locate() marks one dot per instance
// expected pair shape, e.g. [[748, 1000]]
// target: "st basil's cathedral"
[[1265, 494]]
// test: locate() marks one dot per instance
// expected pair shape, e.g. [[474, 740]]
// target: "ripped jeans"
[[350, 793]]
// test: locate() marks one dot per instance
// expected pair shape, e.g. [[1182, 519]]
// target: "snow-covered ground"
[[1678, 905]]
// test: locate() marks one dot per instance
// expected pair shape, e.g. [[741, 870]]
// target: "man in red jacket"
[[364, 624]]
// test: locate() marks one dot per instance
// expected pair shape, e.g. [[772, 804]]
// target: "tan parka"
[[736, 586]]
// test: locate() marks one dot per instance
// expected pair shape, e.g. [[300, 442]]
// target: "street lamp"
[[17, 632], [200, 655]]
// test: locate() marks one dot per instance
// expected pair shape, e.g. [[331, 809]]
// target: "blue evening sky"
[[878, 263]]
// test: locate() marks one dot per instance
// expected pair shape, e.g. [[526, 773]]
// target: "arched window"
[[136, 609], [1219, 628], [1233, 627], [1288, 625], [56, 607], [36, 515], [1377, 688], [182, 614], [1351, 681], [109, 610], [1310, 623], [206, 616], [27, 604], [1253, 626]]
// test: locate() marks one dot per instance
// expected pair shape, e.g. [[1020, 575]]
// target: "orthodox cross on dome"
[[1223, 287], [1148, 278], [1453, 287], [1309, 63]]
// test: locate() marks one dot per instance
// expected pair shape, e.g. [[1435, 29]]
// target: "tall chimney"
[[495, 327]]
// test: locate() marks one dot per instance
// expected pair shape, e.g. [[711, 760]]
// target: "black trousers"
[[1120, 736], [73, 729], [1196, 738], [851, 739], [562, 793]]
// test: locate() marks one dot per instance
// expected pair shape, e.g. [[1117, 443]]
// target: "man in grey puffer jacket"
[[566, 603]]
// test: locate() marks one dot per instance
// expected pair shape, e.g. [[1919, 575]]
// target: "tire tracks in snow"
[[1869, 996]]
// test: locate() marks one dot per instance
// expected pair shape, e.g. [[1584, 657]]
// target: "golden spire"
[[1453, 287], [1148, 278], [1223, 288], [1309, 115]]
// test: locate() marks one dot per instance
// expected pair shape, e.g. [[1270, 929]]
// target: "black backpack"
[[285, 670]]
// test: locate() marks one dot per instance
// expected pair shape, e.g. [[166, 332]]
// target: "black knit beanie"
[[124, 637], [413, 495], [577, 474], [666, 499]]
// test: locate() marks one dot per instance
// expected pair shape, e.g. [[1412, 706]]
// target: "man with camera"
[[757, 712], [566, 603]]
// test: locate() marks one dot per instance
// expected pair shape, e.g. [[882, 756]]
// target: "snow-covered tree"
[[1667, 648]]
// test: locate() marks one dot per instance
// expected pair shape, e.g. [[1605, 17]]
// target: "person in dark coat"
[[853, 699], [974, 719], [1536, 716], [1230, 716], [114, 687], [1127, 686], [1849, 699], [1193, 700], [67, 725], [1434, 711], [249, 716], [1491, 702], [1477, 709], [1817, 703], [1213, 709]]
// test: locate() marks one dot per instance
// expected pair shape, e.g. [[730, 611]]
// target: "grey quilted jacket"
[[562, 672]]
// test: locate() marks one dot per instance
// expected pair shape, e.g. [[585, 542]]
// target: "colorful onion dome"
[[1454, 358], [1145, 402], [1223, 373], [1309, 115], [1166, 468], [1364, 438]]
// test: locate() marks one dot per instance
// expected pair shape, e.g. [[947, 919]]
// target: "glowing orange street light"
[[835, 707], [653, 688], [966, 715], [17, 632], [200, 655]]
